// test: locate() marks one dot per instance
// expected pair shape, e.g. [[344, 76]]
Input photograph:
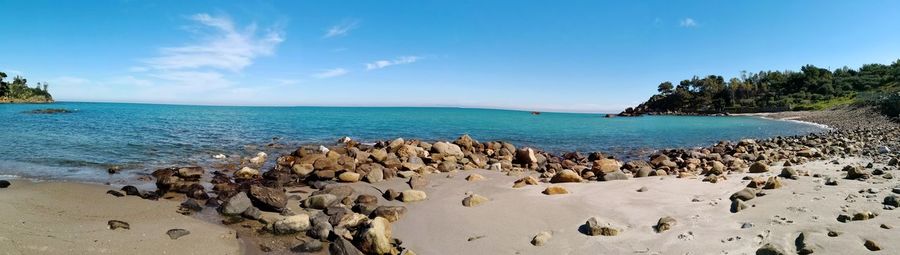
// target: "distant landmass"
[[812, 88], [18, 91]]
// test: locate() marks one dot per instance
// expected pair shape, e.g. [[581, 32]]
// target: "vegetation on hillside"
[[17, 90], [812, 88]]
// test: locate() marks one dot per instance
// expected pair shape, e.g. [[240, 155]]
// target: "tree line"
[[812, 88], [18, 89]]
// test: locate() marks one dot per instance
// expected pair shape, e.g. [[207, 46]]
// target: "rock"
[[236, 204], [771, 249], [474, 200], [605, 165], [412, 195], [665, 223], [190, 173], [892, 200], [268, 199], [594, 228], [320, 201], [219, 156], [759, 167], [555, 190], [309, 246], [391, 213], [417, 182], [114, 169], [252, 213], [302, 169], [871, 245], [115, 193], [527, 180], [856, 172], [802, 247], [291, 224], [541, 238], [375, 175], [893, 162], [190, 205], [246, 173], [614, 176], [474, 177], [391, 194], [342, 246], [773, 183], [131, 190], [744, 194], [177, 233], [789, 173], [259, 159], [831, 181], [320, 228], [566, 176], [349, 177], [445, 149], [117, 224], [376, 238], [717, 168], [738, 205], [525, 156], [4, 184]]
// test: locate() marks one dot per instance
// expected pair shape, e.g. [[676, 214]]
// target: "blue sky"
[[593, 56]]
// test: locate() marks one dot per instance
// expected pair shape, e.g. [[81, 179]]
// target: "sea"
[[83, 144]]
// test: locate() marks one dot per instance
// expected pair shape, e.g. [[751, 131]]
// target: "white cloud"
[[330, 73], [386, 63], [225, 47], [342, 29], [688, 22]]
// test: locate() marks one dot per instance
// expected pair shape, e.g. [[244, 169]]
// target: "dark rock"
[[114, 169], [309, 246], [343, 247], [391, 194], [131, 190], [236, 204], [856, 172], [391, 213], [665, 223], [891, 200], [872, 246], [593, 228], [177, 233], [117, 224], [252, 213], [191, 205], [268, 199], [770, 249]]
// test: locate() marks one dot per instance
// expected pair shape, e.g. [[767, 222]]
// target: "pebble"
[[541, 238], [117, 224], [177, 233]]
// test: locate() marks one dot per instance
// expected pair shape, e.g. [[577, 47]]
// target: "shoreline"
[[672, 182], [58, 217], [772, 116]]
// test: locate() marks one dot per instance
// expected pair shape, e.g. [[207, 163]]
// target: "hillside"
[[812, 88], [18, 91]]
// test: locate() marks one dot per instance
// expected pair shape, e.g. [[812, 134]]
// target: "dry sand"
[[506, 224], [71, 218]]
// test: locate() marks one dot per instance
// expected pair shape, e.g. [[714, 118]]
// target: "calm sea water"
[[142, 137]]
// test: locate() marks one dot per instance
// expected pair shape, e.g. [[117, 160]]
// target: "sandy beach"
[[71, 218]]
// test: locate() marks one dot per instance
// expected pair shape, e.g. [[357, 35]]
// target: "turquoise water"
[[142, 137]]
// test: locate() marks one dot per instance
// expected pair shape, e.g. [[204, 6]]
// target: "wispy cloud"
[[69, 80], [330, 73], [342, 29], [224, 46], [386, 63], [688, 22]]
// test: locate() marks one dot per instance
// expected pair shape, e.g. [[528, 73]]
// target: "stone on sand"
[[474, 200], [759, 167], [566, 176], [555, 190], [291, 224], [541, 238], [474, 177], [412, 195], [594, 227]]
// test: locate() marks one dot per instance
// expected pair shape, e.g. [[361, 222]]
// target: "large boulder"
[[376, 238], [856, 172], [605, 165], [412, 195], [320, 201], [268, 199], [525, 156], [759, 167], [566, 176], [444, 149], [291, 224], [236, 204]]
